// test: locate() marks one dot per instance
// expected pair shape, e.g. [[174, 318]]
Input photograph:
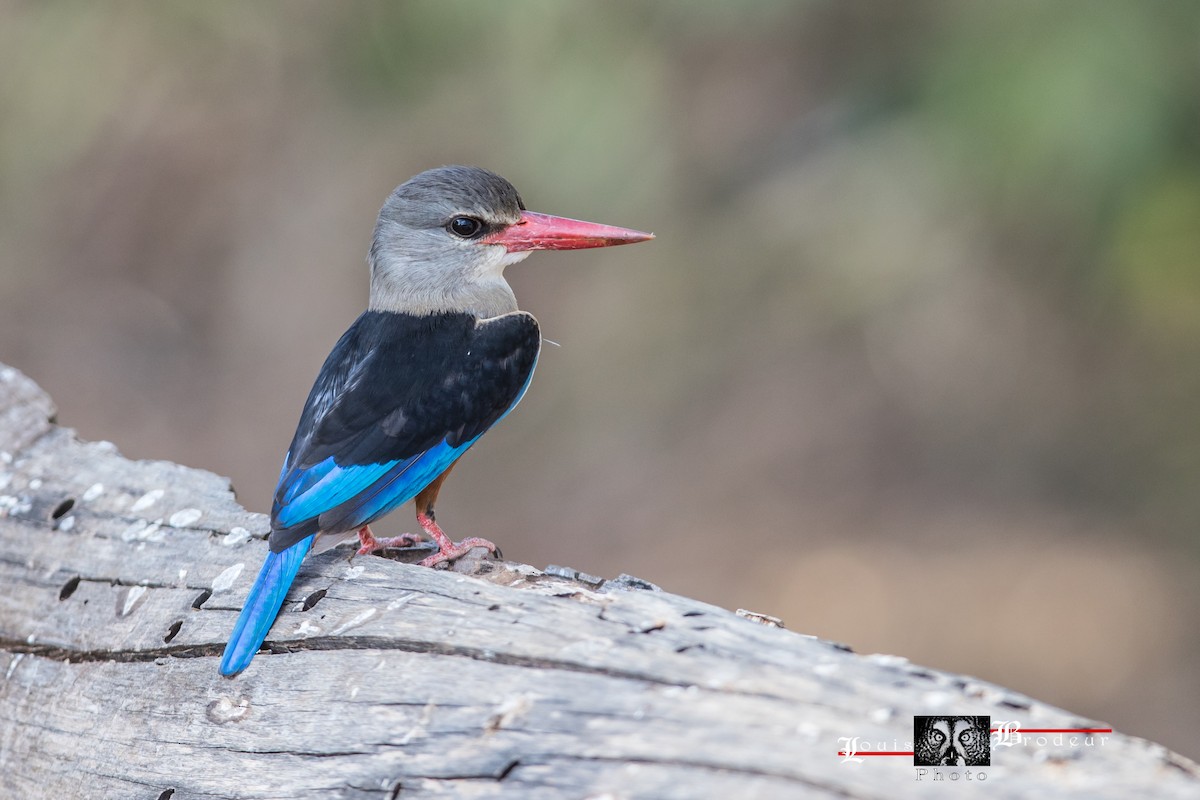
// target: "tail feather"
[[262, 606]]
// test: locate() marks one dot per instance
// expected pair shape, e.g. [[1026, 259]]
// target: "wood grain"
[[122, 580]]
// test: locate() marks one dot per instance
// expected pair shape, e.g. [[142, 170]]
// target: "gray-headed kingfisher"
[[441, 354]]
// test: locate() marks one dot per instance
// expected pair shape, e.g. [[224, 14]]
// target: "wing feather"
[[399, 399]]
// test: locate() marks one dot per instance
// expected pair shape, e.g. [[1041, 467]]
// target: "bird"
[[441, 354]]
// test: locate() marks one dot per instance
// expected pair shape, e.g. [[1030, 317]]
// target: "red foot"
[[448, 550], [370, 544]]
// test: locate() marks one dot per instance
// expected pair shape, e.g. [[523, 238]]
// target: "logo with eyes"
[[952, 741]]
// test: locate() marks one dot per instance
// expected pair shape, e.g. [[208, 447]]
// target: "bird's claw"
[[455, 551], [370, 544]]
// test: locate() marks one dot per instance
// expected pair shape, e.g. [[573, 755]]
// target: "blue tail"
[[262, 606]]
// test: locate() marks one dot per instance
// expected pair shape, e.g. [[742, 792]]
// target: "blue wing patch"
[[348, 497], [313, 491], [402, 483]]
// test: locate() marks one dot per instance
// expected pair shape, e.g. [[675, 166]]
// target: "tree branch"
[[385, 680]]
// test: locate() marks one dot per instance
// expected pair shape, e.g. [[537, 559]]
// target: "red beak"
[[543, 232]]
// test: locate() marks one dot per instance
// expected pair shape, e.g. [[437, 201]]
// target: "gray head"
[[426, 255], [445, 236]]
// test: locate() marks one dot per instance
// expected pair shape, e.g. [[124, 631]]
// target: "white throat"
[[473, 283]]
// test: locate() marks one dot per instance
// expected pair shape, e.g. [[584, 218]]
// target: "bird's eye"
[[466, 227]]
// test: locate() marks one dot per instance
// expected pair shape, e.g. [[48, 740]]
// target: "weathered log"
[[122, 580]]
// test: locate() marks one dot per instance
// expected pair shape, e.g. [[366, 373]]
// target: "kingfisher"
[[441, 354]]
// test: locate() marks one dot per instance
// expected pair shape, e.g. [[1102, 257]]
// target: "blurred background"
[[913, 363]]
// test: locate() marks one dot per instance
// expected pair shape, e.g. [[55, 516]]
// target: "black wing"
[[399, 398]]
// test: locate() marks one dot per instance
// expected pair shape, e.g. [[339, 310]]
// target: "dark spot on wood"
[[923, 674], [1013, 703], [687, 647], [314, 598], [504, 773], [166, 794], [69, 588], [693, 613], [201, 599], [173, 630], [62, 508], [494, 607], [396, 791]]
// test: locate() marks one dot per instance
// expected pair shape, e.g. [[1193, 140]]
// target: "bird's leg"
[[370, 544], [447, 550]]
